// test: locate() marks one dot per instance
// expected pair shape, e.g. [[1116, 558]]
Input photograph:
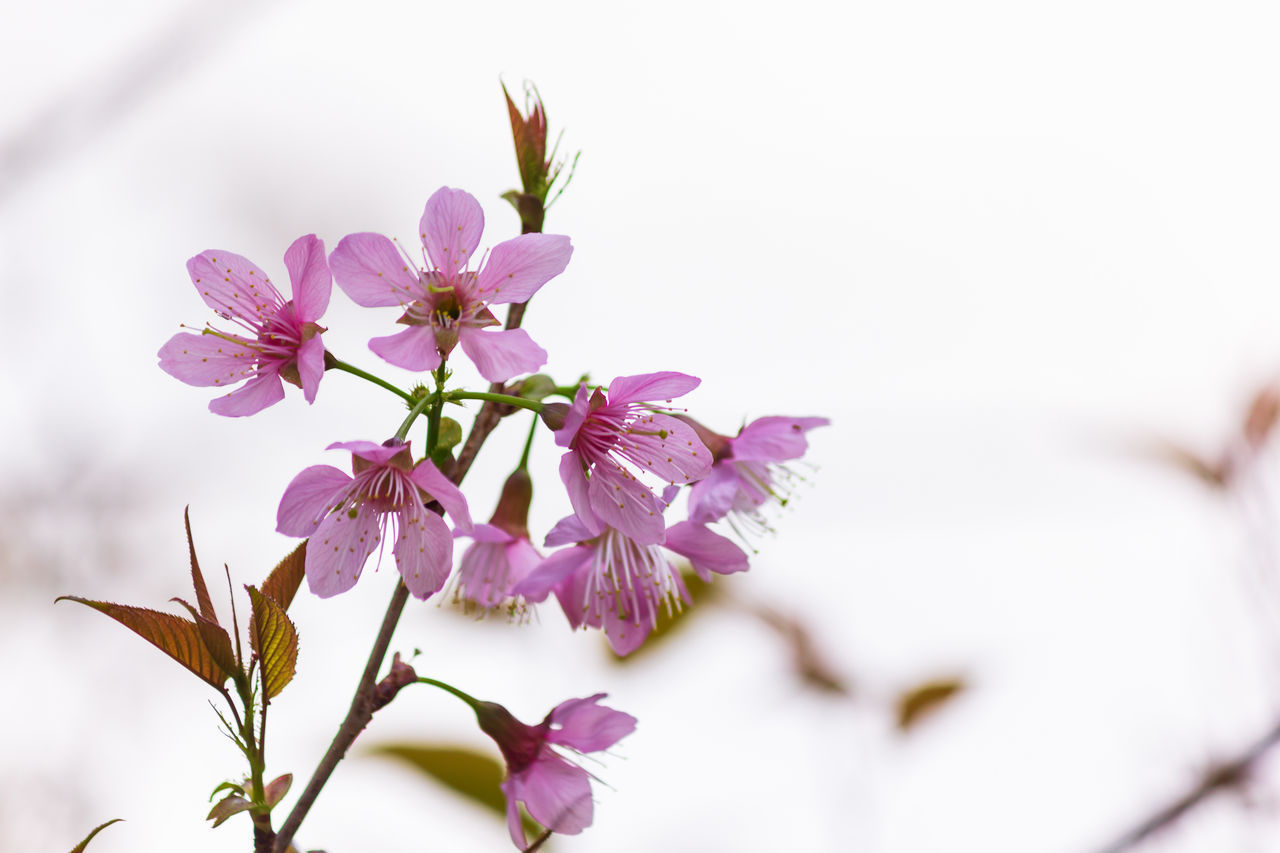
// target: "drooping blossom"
[[348, 517], [555, 791], [501, 555], [748, 472], [446, 302], [608, 580], [279, 339], [605, 434]]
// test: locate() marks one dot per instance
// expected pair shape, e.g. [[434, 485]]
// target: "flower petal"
[[233, 286], [263, 390], [575, 417], [310, 277], [440, 487], [552, 572], [711, 498], [450, 228], [207, 359], [666, 446], [423, 550], [622, 502], [557, 794], [650, 387], [587, 726], [568, 530], [369, 270], [575, 483], [500, 355], [339, 548], [308, 497], [517, 268], [311, 366], [412, 349], [774, 439], [707, 550], [514, 793]]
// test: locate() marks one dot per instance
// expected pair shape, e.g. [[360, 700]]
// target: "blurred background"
[[1023, 256]]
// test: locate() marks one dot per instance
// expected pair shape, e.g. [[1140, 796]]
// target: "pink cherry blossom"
[[603, 432], [446, 302], [747, 472], [610, 581], [281, 339], [501, 555], [555, 791], [347, 517]]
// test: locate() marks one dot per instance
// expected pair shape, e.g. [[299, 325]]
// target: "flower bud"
[[553, 415], [512, 513]]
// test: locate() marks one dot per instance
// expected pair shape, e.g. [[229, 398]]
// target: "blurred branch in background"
[[106, 95]]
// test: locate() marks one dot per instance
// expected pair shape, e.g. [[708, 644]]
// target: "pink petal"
[[412, 349], [233, 286], [707, 550], [774, 439], [369, 270], [310, 495], [450, 228], [370, 450], [513, 792], [622, 502], [310, 277], [517, 268], [627, 632], [503, 354], [552, 572], [575, 482], [569, 530], [557, 794], [339, 548], [264, 390], [311, 366], [666, 446], [423, 551], [711, 498], [206, 359], [440, 487], [587, 726], [650, 387], [487, 534], [574, 418]]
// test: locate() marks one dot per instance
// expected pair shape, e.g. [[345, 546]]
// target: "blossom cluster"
[[627, 454]]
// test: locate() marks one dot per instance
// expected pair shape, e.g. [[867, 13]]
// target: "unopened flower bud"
[[553, 415], [512, 513]]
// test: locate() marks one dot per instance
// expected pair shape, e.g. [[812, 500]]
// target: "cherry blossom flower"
[[281, 339], [501, 555], [748, 472], [445, 304], [610, 581], [346, 517], [555, 791], [604, 431]]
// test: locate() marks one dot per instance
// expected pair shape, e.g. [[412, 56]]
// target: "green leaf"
[[230, 805], [925, 699], [173, 635], [227, 786], [79, 848], [197, 579], [282, 584], [474, 775], [274, 641]]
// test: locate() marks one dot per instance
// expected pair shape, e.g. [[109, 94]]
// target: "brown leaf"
[[274, 640], [79, 848], [173, 635], [809, 661], [282, 584], [276, 789], [197, 579], [230, 805], [926, 699], [215, 639]]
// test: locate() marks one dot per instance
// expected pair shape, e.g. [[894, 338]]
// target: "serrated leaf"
[[215, 639], [282, 584], [226, 807], [79, 848], [474, 775], [274, 641], [926, 699], [197, 579], [173, 635]]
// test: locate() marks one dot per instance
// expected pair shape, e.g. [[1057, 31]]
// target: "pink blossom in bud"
[[556, 792], [280, 340], [446, 302], [747, 472], [609, 434], [610, 581], [347, 517], [501, 555]]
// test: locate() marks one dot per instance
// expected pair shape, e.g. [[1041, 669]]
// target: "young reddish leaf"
[[274, 641], [176, 637], [276, 789], [215, 639], [197, 579], [925, 699], [79, 848], [281, 585], [226, 807]]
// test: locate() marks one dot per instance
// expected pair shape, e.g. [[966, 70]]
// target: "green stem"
[[518, 402], [528, 445], [419, 407], [465, 697], [433, 417], [337, 364]]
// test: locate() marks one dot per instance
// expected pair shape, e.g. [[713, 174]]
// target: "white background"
[[1006, 248]]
